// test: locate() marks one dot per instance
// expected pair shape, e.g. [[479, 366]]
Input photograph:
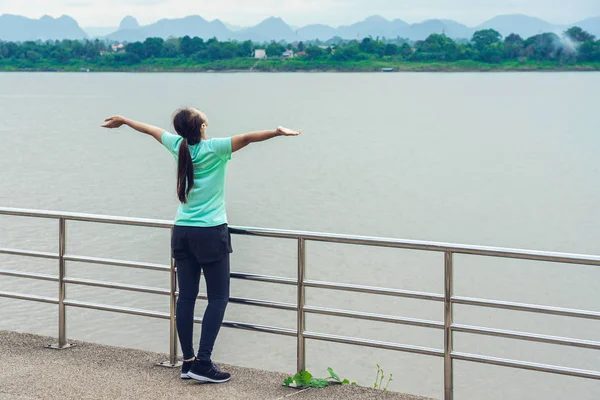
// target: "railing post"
[[173, 344], [62, 289], [301, 350], [448, 367]]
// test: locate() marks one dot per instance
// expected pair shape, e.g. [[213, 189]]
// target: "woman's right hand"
[[114, 122], [287, 132]]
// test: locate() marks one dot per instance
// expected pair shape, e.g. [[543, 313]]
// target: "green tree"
[[513, 46], [367, 46], [406, 51], [485, 38], [437, 47], [32, 55], [185, 46], [589, 51], [154, 47], [579, 35], [275, 50], [246, 49], [371, 46], [9, 49], [127, 58], [390, 49], [301, 46], [213, 49], [136, 49], [347, 53], [92, 53], [314, 52], [229, 50], [492, 53], [543, 46], [61, 54]]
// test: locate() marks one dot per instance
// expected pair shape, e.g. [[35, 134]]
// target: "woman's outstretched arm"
[[240, 141], [117, 121]]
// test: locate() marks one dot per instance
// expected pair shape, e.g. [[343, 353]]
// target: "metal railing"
[[448, 298]]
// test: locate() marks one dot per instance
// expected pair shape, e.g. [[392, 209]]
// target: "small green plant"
[[337, 379], [379, 380], [305, 379]]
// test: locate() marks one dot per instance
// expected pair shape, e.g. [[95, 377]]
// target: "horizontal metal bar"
[[581, 373], [117, 263], [258, 303], [331, 238], [106, 219], [566, 312], [29, 253], [533, 337], [29, 297], [264, 278], [374, 290], [120, 286], [254, 327], [29, 275], [122, 310], [424, 245], [374, 317], [374, 343]]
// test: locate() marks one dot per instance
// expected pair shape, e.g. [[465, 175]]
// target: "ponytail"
[[185, 172], [188, 123]]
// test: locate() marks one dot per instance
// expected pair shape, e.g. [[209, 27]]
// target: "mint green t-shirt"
[[206, 201]]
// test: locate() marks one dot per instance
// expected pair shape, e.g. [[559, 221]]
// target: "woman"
[[200, 240]]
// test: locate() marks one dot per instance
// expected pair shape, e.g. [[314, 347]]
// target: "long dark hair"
[[188, 124]]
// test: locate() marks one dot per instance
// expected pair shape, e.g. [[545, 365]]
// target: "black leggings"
[[197, 250]]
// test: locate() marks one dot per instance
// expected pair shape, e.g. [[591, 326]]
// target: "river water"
[[507, 159]]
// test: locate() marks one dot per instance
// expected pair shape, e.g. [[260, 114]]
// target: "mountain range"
[[18, 28]]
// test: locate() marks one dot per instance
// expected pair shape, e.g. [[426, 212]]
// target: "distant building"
[[260, 54], [288, 54], [118, 47], [301, 53]]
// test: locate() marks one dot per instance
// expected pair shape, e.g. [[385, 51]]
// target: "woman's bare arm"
[[240, 141], [117, 121]]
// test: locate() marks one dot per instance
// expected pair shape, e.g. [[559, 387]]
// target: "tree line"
[[574, 45]]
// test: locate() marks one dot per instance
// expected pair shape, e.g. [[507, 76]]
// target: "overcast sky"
[[300, 12]]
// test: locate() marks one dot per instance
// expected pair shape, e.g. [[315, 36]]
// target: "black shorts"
[[205, 244]]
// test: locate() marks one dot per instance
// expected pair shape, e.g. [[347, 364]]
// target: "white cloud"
[[300, 12]]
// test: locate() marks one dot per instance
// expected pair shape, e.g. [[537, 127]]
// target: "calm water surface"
[[493, 159]]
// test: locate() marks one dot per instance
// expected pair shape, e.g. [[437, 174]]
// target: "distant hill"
[[267, 30], [232, 27], [97, 31], [592, 25], [457, 30], [16, 28], [311, 32], [193, 26], [522, 24], [128, 23], [373, 26]]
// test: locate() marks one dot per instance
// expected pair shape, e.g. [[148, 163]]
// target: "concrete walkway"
[[90, 371]]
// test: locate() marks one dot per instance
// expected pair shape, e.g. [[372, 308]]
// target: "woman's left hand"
[[287, 132]]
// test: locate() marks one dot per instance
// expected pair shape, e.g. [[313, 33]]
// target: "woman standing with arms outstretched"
[[201, 240]]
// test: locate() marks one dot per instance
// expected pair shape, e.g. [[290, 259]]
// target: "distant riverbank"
[[298, 65]]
